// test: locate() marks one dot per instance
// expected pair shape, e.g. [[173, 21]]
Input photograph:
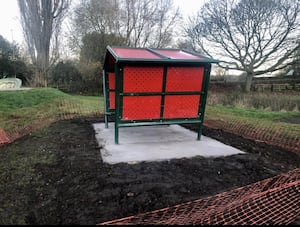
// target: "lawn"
[[250, 117], [19, 109]]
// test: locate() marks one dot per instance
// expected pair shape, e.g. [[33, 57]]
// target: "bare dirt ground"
[[56, 176]]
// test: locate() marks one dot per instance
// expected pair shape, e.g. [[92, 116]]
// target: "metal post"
[[117, 102], [116, 133], [205, 82], [105, 98], [162, 105]]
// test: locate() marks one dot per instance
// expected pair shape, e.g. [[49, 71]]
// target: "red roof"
[[151, 55], [178, 54], [134, 53]]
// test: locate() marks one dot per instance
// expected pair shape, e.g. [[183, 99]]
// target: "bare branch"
[[257, 36]]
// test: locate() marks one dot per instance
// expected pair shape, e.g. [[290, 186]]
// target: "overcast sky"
[[11, 29]]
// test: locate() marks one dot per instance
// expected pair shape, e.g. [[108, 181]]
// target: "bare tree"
[[252, 36], [148, 22], [41, 22], [89, 16], [139, 23]]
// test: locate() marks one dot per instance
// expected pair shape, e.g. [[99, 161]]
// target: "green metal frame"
[[165, 63]]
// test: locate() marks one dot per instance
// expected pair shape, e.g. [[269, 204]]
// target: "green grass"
[[262, 111], [14, 100], [254, 118], [239, 112], [264, 101], [19, 109]]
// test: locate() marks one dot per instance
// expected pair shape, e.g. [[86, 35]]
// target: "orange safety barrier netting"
[[258, 130], [272, 136], [23, 128], [274, 200], [3, 137]]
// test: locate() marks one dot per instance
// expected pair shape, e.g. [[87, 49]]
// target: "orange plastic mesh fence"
[[3, 137], [271, 201], [272, 135], [24, 128]]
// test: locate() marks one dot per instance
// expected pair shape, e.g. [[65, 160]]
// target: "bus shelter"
[[147, 86]]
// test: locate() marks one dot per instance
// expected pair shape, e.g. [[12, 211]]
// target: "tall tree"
[[41, 22], [140, 23], [149, 23], [9, 56], [296, 65], [89, 16], [94, 46], [251, 36], [11, 62]]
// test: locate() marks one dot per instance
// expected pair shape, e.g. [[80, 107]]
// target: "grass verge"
[[22, 109], [19, 109]]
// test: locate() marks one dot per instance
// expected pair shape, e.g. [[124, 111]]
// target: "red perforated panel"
[[112, 80], [181, 106], [184, 79], [112, 100], [141, 107], [142, 79]]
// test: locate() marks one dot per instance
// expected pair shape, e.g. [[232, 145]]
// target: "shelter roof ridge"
[[155, 55]]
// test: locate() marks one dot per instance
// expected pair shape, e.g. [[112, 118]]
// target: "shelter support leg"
[[199, 132], [106, 120], [105, 93], [116, 133]]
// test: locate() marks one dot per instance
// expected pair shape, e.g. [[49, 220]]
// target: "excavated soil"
[[56, 176]]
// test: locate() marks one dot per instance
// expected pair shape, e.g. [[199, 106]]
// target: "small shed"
[[147, 86]]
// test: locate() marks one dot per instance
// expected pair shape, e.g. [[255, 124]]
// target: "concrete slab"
[[156, 143]]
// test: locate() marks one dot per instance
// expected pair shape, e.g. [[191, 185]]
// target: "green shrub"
[[66, 77]]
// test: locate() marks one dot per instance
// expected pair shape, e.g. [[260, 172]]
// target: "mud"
[[67, 182]]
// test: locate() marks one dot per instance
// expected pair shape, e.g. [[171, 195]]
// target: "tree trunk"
[[40, 20], [248, 82]]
